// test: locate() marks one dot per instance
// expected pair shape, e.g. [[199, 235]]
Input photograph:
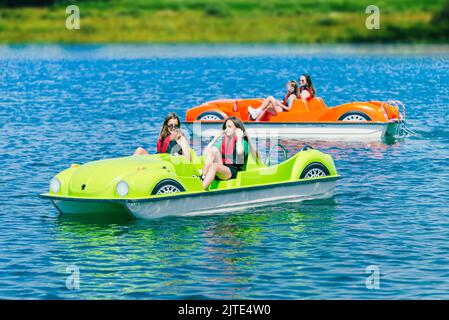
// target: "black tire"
[[166, 185], [355, 113], [313, 169], [210, 114]]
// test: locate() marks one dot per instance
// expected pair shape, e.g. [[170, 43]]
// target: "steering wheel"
[[284, 150], [307, 147]]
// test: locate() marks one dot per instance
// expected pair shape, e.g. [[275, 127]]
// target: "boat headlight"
[[122, 188], [55, 185]]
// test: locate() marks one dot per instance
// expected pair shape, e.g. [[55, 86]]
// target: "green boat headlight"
[[122, 188], [55, 185]]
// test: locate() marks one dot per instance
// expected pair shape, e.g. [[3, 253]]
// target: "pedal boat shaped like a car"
[[153, 186], [312, 120]]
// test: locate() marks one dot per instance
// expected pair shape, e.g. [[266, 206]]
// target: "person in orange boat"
[[227, 153], [306, 91], [273, 106], [171, 139]]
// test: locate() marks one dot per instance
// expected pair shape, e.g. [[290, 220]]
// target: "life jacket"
[[229, 152], [301, 89], [286, 98], [167, 145]]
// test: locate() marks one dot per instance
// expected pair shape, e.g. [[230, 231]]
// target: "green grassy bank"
[[226, 21]]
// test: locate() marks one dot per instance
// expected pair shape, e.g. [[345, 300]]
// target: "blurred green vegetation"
[[225, 21]]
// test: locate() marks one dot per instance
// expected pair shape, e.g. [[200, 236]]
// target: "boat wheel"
[[210, 116], [167, 187], [354, 116], [314, 170]]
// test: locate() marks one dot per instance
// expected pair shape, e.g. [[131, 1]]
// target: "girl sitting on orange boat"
[[271, 106]]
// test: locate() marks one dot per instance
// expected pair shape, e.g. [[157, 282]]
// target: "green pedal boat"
[[154, 186]]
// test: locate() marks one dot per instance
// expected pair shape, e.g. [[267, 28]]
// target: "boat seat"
[[317, 104], [250, 164], [299, 106]]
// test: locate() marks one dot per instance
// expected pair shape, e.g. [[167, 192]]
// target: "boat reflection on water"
[[217, 256]]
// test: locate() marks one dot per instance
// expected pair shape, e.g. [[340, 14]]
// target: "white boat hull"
[[202, 203], [232, 200], [340, 131]]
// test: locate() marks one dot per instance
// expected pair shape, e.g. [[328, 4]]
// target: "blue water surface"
[[61, 105]]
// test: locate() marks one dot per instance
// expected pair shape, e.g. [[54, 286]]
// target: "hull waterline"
[[201, 203], [341, 131], [231, 201], [73, 206]]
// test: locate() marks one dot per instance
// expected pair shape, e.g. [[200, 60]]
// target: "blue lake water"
[[63, 105]]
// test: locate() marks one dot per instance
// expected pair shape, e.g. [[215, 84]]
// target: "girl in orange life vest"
[[306, 90], [171, 139], [274, 106], [227, 153]]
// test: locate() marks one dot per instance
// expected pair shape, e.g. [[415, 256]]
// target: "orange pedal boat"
[[372, 120]]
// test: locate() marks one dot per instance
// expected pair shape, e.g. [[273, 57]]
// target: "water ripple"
[[61, 106]]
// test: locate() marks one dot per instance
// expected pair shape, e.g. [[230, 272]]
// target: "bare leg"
[[213, 166], [278, 106], [213, 156], [267, 102], [140, 151], [216, 169], [270, 109], [274, 108]]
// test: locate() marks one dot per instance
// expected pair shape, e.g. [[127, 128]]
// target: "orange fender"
[[366, 109]]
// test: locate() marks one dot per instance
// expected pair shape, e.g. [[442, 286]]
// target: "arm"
[[305, 95], [281, 105], [206, 150], [239, 146], [182, 141], [240, 151], [290, 102]]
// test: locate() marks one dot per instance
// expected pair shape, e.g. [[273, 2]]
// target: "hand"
[[177, 134], [239, 133], [222, 132]]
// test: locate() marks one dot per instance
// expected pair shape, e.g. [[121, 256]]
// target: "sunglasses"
[[173, 126]]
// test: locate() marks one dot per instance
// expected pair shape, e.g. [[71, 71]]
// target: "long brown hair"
[[295, 87], [164, 130], [309, 83], [239, 124]]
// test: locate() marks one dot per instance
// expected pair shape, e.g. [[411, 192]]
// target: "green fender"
[[309, 156], [142, 183], [64, 177]]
